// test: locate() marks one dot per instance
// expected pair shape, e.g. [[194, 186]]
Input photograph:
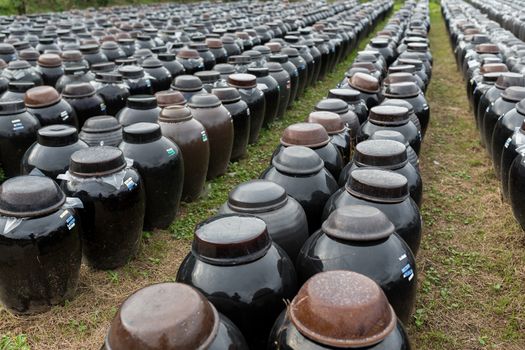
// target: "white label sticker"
[[262, 87], [64, 115], [17, 124]]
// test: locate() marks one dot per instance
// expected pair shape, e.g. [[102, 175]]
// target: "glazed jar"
[[18, 130], [411, 114], [339, 310], [210, 79], [7, 52], [515, 186], [104, 130], [341, 108], [137, 80], [336, 129], [362, 239], [30, 55], [22, 71], [52, 150], [325, 60], [306, 55], [406, 69], [160, 165], [283, 79], [246, 84], [208, 59], [284, 217], [182, 316], [217, 49], [190, 60], [112, 51], [230, 46], [355, 103], [74, 75], [488, 81], [225, 70], [217, 121], [509, 153], [111, 87], [270, 88], [92, 54], [45, 103], [301, 172], [139, 108], [16, 90], [73, 58], [368, 87], [50, 68], [231, 99], [177, 124], [292, 72], [240, 63], [257, 59], [386, 191], [169, 98], [161, 75], [113, 196], [171, 64], [300, 65], [188, 85], [84, 100], [40, 247], [232, 253], [397, 136]]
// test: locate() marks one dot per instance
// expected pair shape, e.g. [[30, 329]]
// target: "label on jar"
[[64, 115], [262, 87], [17, 124], [130, 183], [18, 75], [103, 107], [70, 219], [507, 143], [171, 151], [288, 84], [204, 136], [407, 272]]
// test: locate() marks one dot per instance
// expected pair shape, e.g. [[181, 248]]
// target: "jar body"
[[333, 161], [270, 88], [504, 129], [493, 113], [408, 130], [509, 153], [50, 75], [241, 128], [87, 107], [161, 78], [517, 189], [283, 79], [254, 98], [58, 113], [128, 116]]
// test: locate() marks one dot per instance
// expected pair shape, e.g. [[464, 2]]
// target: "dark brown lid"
[[358, 223], [377, 185], [347, 95], [311, 135], [514, 94], [334, 105], [214, 43], [188, 53], [274, 47], [342, 309], [231, 239], [332, 122], [487, 48], [386, 154], [71, 55], [389, 115], [402, 90], [507, 79], [187, 83], [227, 95], [101, 124], [242, 81], [401, 77], [399, 103], [407, 68], [97, 161], [298, 160], [169, 97], [49, 60], [78, 90], [257, 196], [175, 114], [169, 316], [41, 96], [493, 67], [364, 82]]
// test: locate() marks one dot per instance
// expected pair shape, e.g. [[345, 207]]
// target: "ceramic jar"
[[16, 90], [188, 86], [355, 103], [161, 75], [22, 71], [137, 80], [50, 68], [270, 87], [111, 87], [300, 65], [217, 49], [170, 98], [368, 87], [178, 124], [113, 198], [171, 64], [45, 104], [74, 75], [103, 130], [411, 114], [92, 54], [40, 246], [336, 129], [397, 136], [210, 79], [232, 253], [284, 217], [84, 100], [160, 165], [190, 60], [516, 189], [341, 108], [112, 51], [283, 79], [139, 108], [292, 72]]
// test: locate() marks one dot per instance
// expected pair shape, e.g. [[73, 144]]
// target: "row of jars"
[[295, 227], [490, 60], [90, 194]]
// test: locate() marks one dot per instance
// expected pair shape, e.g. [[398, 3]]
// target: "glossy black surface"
[[114, 96], [228, 336], [422, 111], [505, 127], [492, 114], [283, 79], [509, 153], [408, 130], [58, 113], [87, 107], [517, 188], [256, 102], [241, 127]]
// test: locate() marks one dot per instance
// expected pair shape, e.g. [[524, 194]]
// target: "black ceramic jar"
[[397, 136], [188, 86], [138, 82], [50, 68], [283, 79], [22, 71], [172, 65], [284, 217], [516, 187], [161, 75], [113, 197], [368, 87], [190, 60], [74, 75], [40, 246], [217, 49], [139, 109], [337, 130], [45, 103], [340, 107], [300, 65], [84, 100], [508, 154], [111, 87], [292, 72], [103, 130], [355, 103], [16, 90], [270, 87], [232, 253]]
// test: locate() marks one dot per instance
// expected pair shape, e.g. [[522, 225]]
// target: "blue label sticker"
[[171, 151], [406, 268], [17, 124], [70, 219], [130, 183], [204, 136]]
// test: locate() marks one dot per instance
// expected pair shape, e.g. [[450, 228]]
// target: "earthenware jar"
[[177, 123], [16, 90], [161, 75], [516, 188], [22, 71], [160, 165], [45, 104], [217, 121], [411, 114], [231, 99], [112, 51], [488, 81], [171, 64], [74, 75], [113, 198], [111, 87], [18, 130], [283, 79], [292, 72], [270, 88], [336, 129], [301, 172], [137, 80], [210, 79], [340, 107], [230, 46], [368, 87], [217, 49], [232, 253], [92, 54], [283, 215], [52, 150], [7, 52], [225, 69], [509, 153], [170, 98], [339, 310], [103, 130], [362, 239], [246, 84], [188, 86], [300, 65], [355, 103], [84, 100], [180, 313], [387, 191], [50, 68], [240, 63], [190, 60], [40, 247], [139, 108], [397, 136]]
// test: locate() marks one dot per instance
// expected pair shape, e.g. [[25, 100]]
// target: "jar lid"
[[29, 55], [278, 58], [239, 59], [78, 90], [224, 68], [377, 185], [413, 61], [20, 86], [231, 239], [347, 95], [399, 103], [334, 105], [58, 135], [75, 70], [101, 124], [151, 62], [402, 90], [379, 42], [103, 67], [274, 47], [214, 43], [204, 101], [290, 52], [208, 76], [141, 133], [164, 316], [188, 53], [311, 135], [389, 135], [389, 115], [6, 49], [170, 97], [254, 54], [109, 45], [406, 68], [97, 161], [507, 79], [257, 196], [520, 107], [19, 64], [8, 107], [342, 309], [111, 77], [487, 48], [131, 71], [71, 55], [175, 114], [358, 223], [142, 102], [166, 57], [493, 67], [227, 95], [49, 60], [187, 83], [514, 94], [30, 196], [369, 66], [298, 160], [262, 49], [274, 67], [401, 77], [381, 153], [364, 82], [41, 96], [259, 71], [89, 48], [332, 122], [242, 81]]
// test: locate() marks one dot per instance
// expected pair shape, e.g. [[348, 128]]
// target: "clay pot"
[[170, 98], [45, 104], [341, 108], [355, 103], [171, 64], [240, 63], [84, 100], [111, 87], [283, 79], [190, 60], [92, 54], [50, 68], [300, 65], [210, 79], [292, 72], [510, 151], [16, 90], [137, 80], [74, 75], [22, 71], [188, 86], [336, 129], [516, 188], [161, 75], [103, 130], [40, 245], [112, 51], [411, 114], [139, 109], [217, 49], [368, 87], [397, 136], [270, 88], [235, 252], [488, 80]]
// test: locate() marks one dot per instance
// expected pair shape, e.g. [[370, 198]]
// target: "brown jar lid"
[[385, 154], [493, 67], [175, 114], [78, 90], [214, 43], [257, 196], [188, 53], [364, 82], [487, 48], [342, 309], [377, 185], [514, 94], [311, 135], [491, 76], [231, 239], [407, 68], [242, 81], [347, 95], [507, 79], [29, 55], [332, 122], [401, 77], [49, 60], [402, 90], [169, 316], [169, 97], [358, 223], [369, 66], [274, 47], [389, 115], [41, 96], [298, 160]]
